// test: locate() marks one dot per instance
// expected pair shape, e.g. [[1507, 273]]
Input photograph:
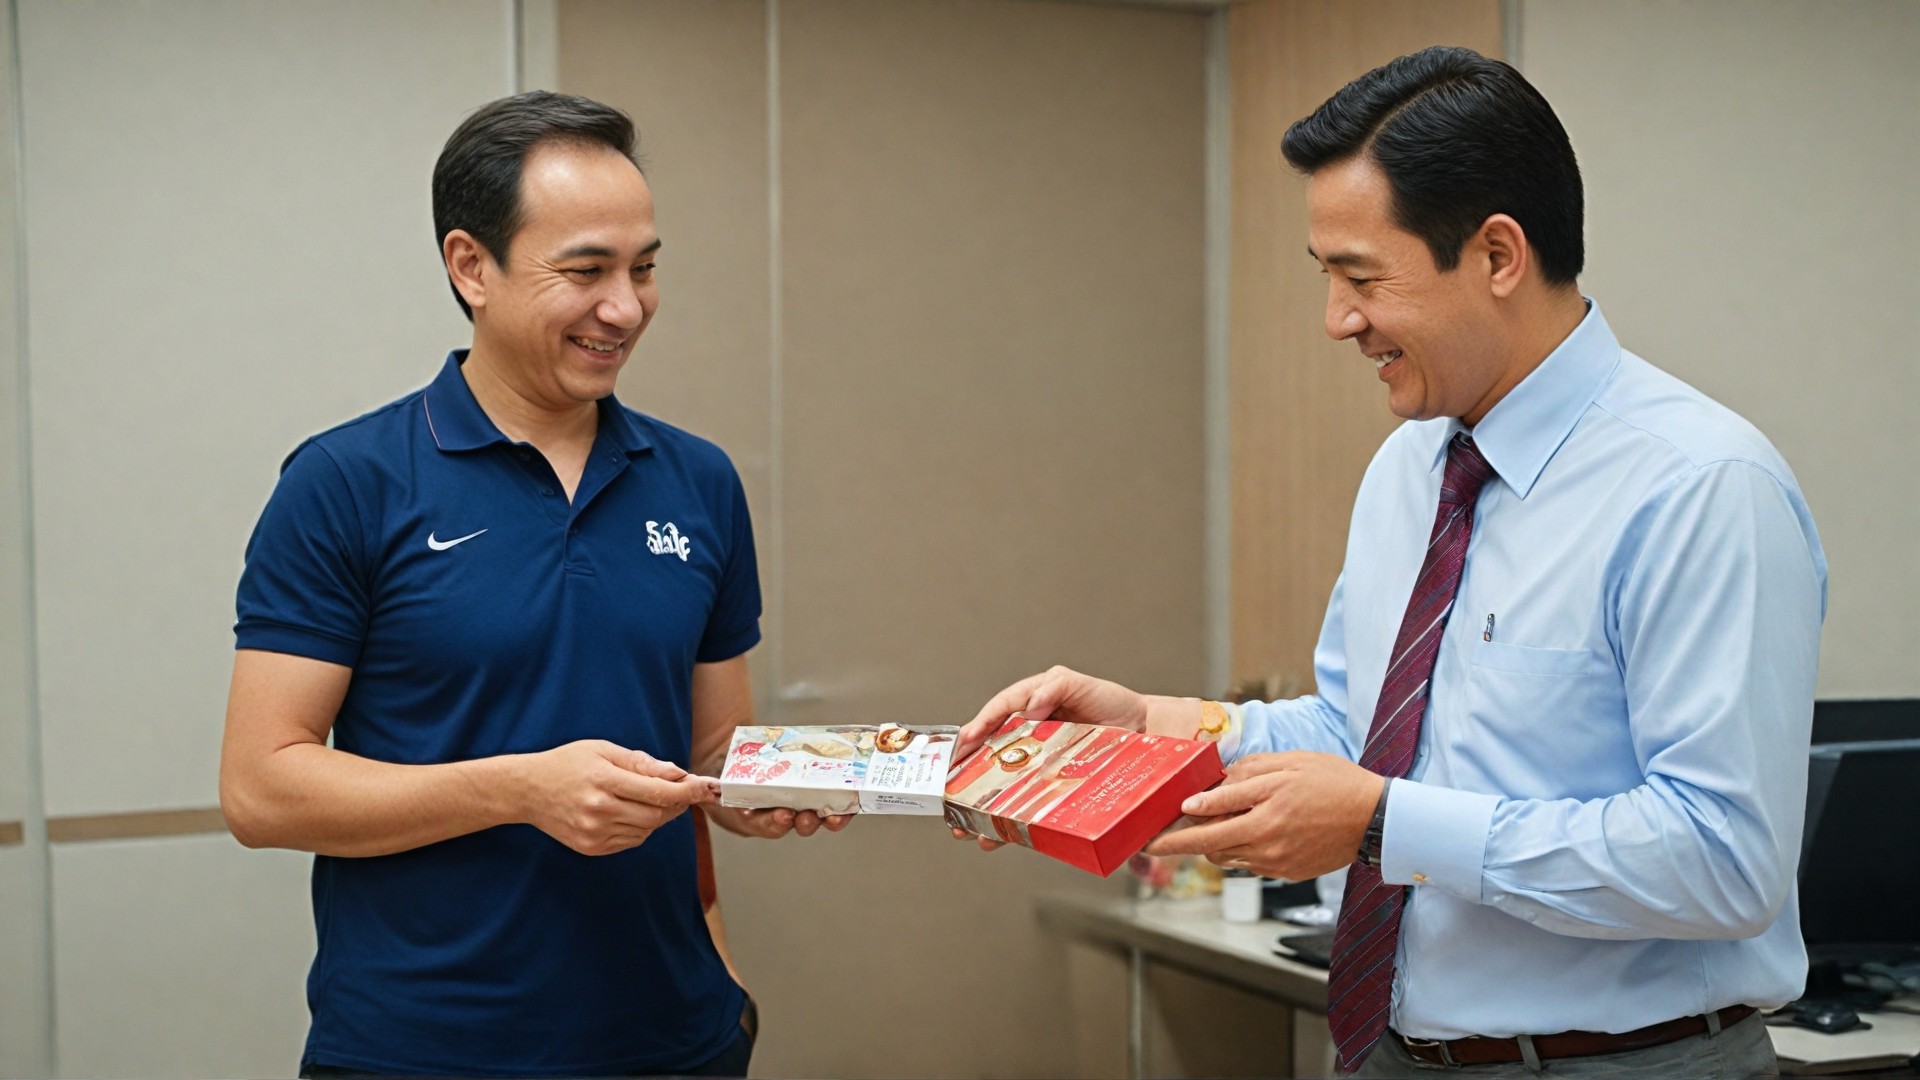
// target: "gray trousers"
[[1737, 1053]]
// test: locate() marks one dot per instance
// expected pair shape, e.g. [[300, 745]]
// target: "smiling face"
[[562, 316], [1436, 339]]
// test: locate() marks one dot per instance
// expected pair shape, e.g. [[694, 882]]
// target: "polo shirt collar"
[[622, 428], [1522, 431], [458, 423]]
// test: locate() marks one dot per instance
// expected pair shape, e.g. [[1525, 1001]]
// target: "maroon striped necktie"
[[1360, 979]]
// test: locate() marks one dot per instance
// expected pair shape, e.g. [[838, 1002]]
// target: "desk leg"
[[1136, 1014], [1312, 1044]]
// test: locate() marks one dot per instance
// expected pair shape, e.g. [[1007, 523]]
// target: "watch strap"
[[1376, 834]]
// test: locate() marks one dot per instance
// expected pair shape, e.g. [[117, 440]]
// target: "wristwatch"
[[1376, 829], [1214, 721]]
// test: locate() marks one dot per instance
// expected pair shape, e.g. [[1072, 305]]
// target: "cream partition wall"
[[228, 246], [933, 274], [1307, 413], [993, 352], [1751, 228]]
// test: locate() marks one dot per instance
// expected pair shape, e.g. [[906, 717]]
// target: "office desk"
[[1885, 1050], [1191, 935]]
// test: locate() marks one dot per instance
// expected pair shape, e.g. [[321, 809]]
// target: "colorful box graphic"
[[841, 769], [1083, 793]]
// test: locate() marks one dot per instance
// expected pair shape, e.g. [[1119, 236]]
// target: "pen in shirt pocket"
[[1487, 634]]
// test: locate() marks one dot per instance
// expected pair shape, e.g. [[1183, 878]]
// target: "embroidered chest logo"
[[666, 540], [437, 544]]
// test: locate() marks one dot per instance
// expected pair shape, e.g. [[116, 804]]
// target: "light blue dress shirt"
[[1603, 821]]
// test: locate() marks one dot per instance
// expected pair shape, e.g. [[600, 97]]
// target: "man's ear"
[[1503, 243], [469, 266]]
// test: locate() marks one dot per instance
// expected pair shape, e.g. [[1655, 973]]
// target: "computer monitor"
[[1837, 720], [1860, 860]]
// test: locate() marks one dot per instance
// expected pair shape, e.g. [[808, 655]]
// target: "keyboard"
[[1314, 950]]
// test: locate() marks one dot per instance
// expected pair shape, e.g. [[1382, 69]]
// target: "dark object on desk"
[[1275, 895], [1861, 855], [1314, 950], [1866, 720], [1825, 1015], [1852, 974]]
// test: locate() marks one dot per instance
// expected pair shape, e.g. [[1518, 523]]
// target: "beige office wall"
[[993, 358], [970, 423], [994, 222], [229, 247], [215, 272], [1307, 413], [184, 956], [1749, 170], [25, 1048]]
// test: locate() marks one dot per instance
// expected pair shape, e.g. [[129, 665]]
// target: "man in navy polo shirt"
[[520, 610]]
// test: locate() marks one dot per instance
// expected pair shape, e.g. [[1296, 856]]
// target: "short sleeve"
[[733, 627], [304, 590]]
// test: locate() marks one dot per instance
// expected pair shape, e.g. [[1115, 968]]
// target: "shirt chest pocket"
[[1501, 656], [1558, 715]]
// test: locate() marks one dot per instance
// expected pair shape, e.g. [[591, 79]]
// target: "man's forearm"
[[311, 797], [1177, 716]]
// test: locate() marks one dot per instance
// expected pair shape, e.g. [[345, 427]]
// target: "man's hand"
[[1056, 694], [1059, 693], [1295, 815], [722, 701], [598, 798], [774, 824]]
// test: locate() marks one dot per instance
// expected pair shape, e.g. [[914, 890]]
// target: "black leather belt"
[[1484, 1050]]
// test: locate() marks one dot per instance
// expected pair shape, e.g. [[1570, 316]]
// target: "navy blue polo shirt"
[[483, 614]]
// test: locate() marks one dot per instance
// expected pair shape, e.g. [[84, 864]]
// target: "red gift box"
[[1085, 794]]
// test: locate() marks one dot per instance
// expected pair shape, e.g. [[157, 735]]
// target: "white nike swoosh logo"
[[442, 545]]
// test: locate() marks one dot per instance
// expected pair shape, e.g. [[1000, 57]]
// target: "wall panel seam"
[[515, 16], [191, 821], [194, 821], [34, 828], [1218, 465], [774, 587]]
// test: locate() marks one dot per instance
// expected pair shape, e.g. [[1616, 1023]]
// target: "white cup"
[[1240, 897]]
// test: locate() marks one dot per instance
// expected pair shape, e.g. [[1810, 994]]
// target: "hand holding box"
[[1086, 794]]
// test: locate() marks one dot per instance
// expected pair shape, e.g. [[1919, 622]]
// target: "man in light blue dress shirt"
[[1600, 826]]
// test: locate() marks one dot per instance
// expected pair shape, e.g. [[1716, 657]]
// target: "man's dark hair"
[[476, 182], [1460, 138]]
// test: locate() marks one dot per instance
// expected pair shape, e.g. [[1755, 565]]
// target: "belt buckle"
[[1446, 1055]]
